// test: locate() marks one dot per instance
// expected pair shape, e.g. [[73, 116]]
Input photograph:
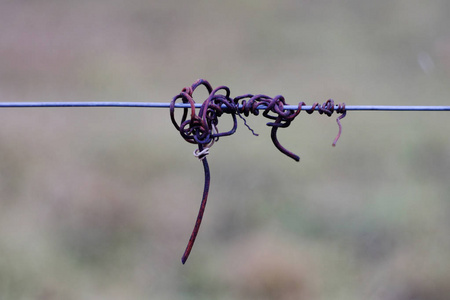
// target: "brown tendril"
[[201, 128]]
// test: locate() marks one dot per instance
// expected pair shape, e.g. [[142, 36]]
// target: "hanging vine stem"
[[201, 128]]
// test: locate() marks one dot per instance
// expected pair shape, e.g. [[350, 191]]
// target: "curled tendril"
[[201, 128]]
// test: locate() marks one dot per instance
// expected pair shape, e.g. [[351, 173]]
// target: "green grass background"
[[99, 203]]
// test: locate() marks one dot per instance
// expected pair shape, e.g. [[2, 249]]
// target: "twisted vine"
[[202, 128]]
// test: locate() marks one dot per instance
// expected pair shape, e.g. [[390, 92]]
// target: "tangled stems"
[[202, 128]]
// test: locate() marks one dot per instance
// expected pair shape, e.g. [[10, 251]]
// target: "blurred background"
[[99, 203]]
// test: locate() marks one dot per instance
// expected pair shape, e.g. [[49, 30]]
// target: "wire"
[[198, 105]]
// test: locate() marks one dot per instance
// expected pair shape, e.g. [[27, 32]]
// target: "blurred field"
[[100, 203]]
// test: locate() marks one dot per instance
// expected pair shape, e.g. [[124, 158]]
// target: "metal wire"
[[198, 105]]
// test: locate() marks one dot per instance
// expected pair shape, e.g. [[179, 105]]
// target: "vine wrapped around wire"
[[202, 128]]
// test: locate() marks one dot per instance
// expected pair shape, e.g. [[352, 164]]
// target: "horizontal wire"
[[198, 105]]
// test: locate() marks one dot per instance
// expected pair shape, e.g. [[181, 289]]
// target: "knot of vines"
[[201, 128]]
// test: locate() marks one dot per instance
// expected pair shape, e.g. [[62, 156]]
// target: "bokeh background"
[[99, 203]]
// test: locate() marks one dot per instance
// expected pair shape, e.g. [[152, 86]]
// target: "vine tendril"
[[201, 128]]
